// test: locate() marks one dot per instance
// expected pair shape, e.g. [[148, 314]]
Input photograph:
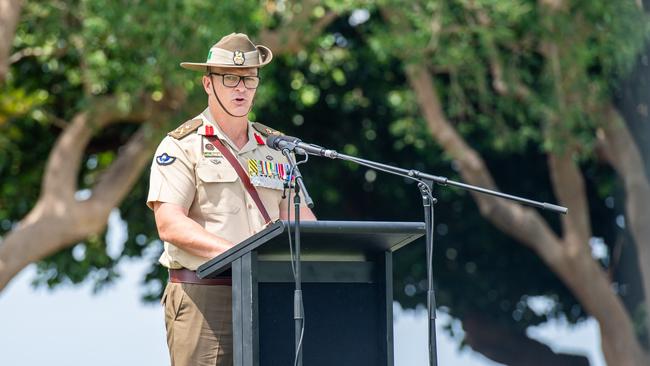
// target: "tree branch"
[[569, 188], [58, 220], [43, 232], [515, 88], [116, 181], [625, 157], [35, 51], [299, 31], [522, 223], [497, 341], [554, 5], [62, 168], [619, 341], [60, 177], [572, 262], [9, 16]]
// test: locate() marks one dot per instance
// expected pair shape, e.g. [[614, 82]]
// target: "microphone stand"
[[298, 310], [428, 202], [425, 184]]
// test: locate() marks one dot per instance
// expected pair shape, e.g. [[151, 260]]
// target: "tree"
[[86, 62], [572, 104], [461, 87]]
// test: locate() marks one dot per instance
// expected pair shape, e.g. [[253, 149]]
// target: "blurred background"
[[546, 99]]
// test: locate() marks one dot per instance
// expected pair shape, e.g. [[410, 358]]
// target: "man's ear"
[[207, 84]]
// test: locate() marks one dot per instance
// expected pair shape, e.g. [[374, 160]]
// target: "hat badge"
[[238, 57]]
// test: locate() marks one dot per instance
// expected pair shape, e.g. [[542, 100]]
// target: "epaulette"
[[186, 128], [265, 130]]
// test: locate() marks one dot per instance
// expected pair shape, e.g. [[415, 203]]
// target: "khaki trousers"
[[198, 319]]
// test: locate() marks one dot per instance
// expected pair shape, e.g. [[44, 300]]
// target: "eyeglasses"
[[231, 81]]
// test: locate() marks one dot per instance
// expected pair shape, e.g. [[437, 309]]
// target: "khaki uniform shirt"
[[192, 173]]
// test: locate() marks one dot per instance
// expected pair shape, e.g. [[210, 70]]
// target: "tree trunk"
[[59, 220], [623, 154], [569, 257]]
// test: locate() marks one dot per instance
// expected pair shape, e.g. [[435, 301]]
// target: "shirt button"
[[250, 206]]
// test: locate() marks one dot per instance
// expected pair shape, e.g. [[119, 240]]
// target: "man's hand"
[[305, 212]]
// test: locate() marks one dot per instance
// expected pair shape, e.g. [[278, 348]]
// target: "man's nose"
[[240, 85]]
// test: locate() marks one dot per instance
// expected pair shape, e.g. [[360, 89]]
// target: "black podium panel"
[[342, 324], [347, 292]]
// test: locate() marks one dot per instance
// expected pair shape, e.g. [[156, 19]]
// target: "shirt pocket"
[[271, 198], [219, 188]]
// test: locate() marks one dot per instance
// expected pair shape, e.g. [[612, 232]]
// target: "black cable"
[[293, 261], [293, 268], [302, 333]]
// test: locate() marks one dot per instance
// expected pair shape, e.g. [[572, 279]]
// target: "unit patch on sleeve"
[[165, 159]]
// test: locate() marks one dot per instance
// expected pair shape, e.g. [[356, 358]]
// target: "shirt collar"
[[211, 128]]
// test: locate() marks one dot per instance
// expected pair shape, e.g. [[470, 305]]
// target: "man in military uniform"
[[214, 183]]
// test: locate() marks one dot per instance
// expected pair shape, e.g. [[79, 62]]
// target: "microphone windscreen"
[[272, 141]]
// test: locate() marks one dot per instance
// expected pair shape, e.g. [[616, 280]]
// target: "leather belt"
[[184, 275]]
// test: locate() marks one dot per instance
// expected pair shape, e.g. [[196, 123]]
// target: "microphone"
[[296, 145], [282, 142]]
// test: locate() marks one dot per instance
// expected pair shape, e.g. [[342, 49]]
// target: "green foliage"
[[71, 52]]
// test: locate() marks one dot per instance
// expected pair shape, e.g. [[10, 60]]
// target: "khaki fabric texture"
[[198, 319], [208, 186]]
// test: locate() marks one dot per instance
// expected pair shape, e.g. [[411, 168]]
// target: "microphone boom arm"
[[296, 145], [443, 181]]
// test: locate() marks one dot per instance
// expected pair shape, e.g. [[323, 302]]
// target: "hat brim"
[[265, 54]]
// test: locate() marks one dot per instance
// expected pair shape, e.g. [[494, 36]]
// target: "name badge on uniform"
[[266, 174], [210, 151]]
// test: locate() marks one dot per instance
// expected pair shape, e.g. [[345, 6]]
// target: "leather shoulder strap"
[[242, 175]]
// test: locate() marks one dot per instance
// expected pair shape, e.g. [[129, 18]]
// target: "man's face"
[[235, 87]]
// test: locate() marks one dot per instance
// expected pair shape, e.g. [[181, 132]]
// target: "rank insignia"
[[215, 161], [270, 131], [185, 129], [238, 57], [165, 159], [259, 139]]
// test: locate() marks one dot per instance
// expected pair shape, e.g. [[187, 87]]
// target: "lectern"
[[347, 292]]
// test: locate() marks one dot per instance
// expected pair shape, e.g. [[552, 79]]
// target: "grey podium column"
[[244, 311]]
